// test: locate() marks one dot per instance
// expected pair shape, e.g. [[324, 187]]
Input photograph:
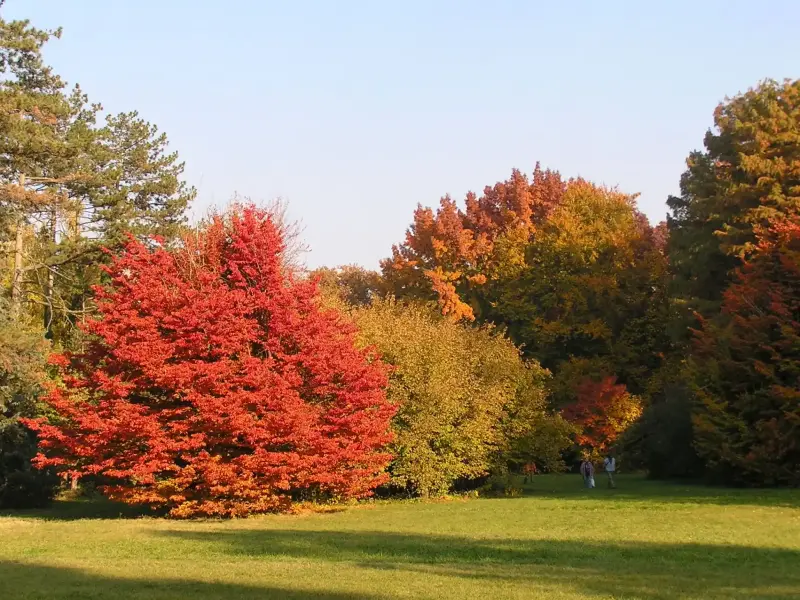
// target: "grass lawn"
[[644, 540]]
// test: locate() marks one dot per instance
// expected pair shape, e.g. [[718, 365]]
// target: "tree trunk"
[[48, 309], [16, 286]]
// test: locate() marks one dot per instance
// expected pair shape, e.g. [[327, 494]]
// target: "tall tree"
[[574, 272], [450, 254], [748, 173], [70, 185], [592, 285], [746, 365]]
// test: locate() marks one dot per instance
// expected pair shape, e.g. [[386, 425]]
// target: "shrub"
[[467, 402]]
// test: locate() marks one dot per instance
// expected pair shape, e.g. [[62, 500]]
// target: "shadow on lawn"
[[633, 488], [20, 581], [643, 570], [637, 488], [73, 510]]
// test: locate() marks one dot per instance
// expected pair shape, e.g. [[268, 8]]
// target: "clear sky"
[[356, 111]]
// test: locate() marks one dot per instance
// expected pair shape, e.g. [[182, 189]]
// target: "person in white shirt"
[[610, 465]]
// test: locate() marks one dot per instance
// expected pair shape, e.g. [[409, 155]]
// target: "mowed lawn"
[[643, 540]]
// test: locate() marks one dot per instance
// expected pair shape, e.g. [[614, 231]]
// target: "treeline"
[[198, 369], [677, 343]]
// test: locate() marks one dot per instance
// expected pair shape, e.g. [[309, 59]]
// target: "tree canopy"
[[215, 384]]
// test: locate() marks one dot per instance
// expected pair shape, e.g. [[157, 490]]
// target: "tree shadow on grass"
[[636, 488], [84, 508], [651, 571], [633, 488], [21, 581]]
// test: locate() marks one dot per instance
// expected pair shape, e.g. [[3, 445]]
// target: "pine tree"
[[70, 186]]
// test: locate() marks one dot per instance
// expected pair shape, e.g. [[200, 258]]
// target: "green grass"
[[644, 540]]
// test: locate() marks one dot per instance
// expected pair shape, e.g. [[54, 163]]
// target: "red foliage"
[[603, 410], [217, 385], [746, 366]]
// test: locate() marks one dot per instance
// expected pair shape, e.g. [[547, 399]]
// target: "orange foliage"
[[603, 410], [450, 252]]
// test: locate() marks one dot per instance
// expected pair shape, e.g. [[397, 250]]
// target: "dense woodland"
[[198, 368]]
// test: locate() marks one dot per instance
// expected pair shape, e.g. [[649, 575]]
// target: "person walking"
[[610, 465], [587, 470]]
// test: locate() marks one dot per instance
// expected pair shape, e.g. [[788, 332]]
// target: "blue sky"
[[356, 111]]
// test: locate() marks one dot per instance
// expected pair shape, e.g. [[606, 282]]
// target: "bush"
[[503, 483], [467, 402]]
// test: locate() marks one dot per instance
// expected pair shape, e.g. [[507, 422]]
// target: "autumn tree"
[[746, 366], [748, 173], [449, 255], [603, 410], [572, 270], [215, 384], [467, 403], [592, 285], [747, 176], [352, 284]]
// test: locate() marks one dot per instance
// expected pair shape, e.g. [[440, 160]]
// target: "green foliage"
[[22, 366], [747, 174], [593, 287], [70, 186], [22, 375], [662, 441], [466, 400], [22, 485]]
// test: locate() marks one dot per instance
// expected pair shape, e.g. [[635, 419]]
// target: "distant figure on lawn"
[[529, 470], [587, 470], [610, 465]]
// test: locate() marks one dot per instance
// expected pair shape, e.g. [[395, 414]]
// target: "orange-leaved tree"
[[214, 383], [450, 254], [604, 409]]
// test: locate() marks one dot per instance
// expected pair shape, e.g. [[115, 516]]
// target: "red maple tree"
[[215, 384], [602, 411]]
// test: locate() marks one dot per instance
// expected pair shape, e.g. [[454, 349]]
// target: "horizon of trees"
[[542, 319]]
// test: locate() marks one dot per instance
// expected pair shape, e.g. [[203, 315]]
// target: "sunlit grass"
[[643, 540]]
